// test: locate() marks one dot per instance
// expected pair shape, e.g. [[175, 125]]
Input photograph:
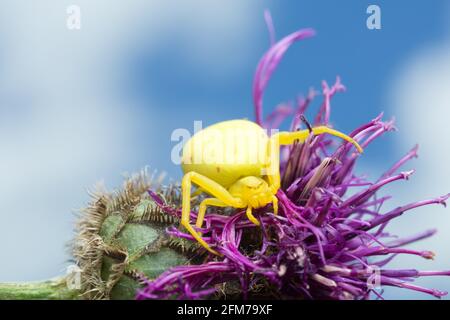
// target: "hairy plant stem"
[[53, 289]]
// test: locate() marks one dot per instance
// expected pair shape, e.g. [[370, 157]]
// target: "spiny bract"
[[120, 239]]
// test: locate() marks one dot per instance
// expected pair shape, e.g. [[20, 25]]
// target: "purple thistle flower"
[[328, 241]]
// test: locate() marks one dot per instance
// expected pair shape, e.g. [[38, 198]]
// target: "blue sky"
[[78, 107], [365, 59]]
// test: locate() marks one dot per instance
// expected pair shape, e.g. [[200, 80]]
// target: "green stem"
[[54, 289]]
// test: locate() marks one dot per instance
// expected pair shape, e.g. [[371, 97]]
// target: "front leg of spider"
[[203, 206], [251, 217], [224, 198], [287, 138]]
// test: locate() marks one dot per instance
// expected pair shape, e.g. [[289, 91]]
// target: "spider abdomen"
[[227, 151]]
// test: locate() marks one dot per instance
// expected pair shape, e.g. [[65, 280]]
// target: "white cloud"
[[420, 95], [60, 130]]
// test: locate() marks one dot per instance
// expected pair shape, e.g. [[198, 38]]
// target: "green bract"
[[121, 238]]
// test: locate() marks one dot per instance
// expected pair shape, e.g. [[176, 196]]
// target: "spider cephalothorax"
[[254, 190], [237, 163]]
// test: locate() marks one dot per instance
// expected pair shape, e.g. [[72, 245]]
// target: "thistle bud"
[[121, 239]]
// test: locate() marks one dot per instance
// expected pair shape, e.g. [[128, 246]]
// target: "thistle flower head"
[[329, 240]]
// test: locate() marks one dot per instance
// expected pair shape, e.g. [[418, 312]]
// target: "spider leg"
[[210, 187], [287, 138], [272, 167], [203, 206], [251, 217], [275, 204], [197, 192], [198, 237]]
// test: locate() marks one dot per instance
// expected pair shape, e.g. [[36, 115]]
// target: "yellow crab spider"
[[237, 163]]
